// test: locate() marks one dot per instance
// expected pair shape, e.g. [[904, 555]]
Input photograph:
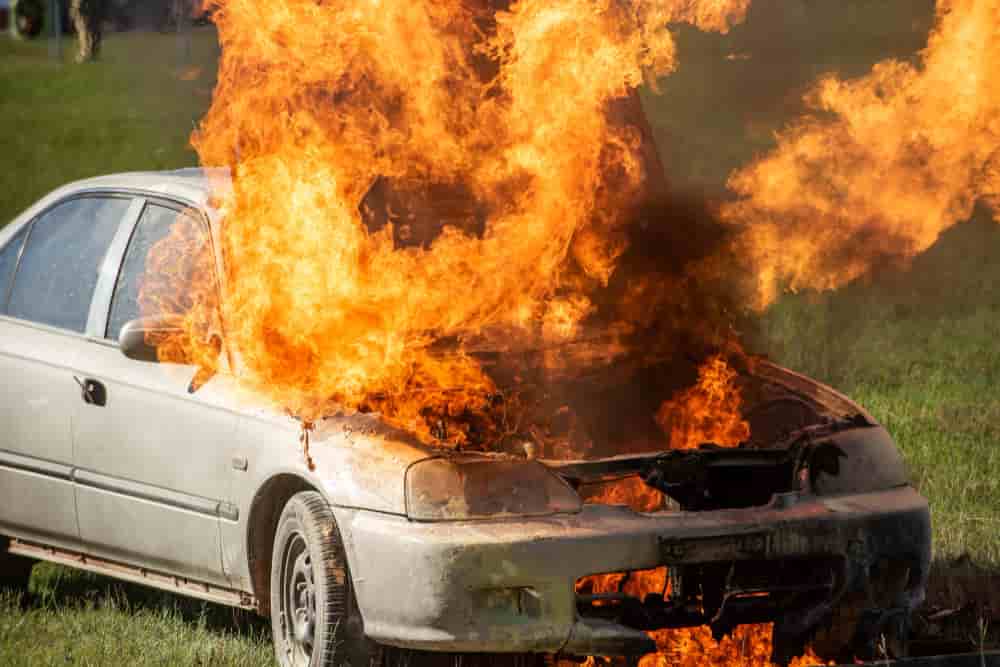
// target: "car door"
[[152, 472], [49, 271]]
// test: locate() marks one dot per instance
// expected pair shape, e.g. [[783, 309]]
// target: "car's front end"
[[499, 554]]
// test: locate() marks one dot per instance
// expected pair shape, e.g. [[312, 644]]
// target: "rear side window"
[[56, 277], [167, 269], [8, 262]]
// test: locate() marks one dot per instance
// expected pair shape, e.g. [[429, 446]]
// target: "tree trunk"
[[88, 15]]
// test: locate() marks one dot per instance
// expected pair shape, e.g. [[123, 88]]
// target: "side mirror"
[[135, 336]]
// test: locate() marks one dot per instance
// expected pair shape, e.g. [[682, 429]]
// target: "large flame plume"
[[507, 116], [883, 165]]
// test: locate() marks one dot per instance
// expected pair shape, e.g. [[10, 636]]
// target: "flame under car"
[[163, 473]]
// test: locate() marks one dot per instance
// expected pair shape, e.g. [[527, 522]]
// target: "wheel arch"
[[265, 510]]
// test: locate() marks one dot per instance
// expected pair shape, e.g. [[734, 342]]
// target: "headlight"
[[452, 489], [856, 460]]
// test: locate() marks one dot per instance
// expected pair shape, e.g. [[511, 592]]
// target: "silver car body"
[[181, 490]]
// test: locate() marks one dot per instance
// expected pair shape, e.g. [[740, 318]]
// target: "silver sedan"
[[114, 463]]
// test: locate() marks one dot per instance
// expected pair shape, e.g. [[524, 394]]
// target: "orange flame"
[[507, 116], [708, 411], [179, 286], [886, 163]]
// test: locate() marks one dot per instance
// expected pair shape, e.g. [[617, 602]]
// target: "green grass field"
[[76, 618], [918, 347], [133, 111]]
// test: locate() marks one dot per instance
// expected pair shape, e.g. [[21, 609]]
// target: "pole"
[[55, 30]]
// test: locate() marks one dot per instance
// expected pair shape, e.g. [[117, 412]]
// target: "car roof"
[[192, 184]]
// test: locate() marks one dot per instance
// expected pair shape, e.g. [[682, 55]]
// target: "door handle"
[[92, 391]]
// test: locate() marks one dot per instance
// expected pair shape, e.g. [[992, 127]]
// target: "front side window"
[[59, 266], [167, 271]]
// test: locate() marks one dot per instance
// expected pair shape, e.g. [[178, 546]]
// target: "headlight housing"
[[857, 460], [463, 488]]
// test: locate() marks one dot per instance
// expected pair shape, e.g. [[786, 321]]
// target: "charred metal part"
[[594, 636], [890, 589], [834, 456], [676, 581], [749, 595], [307, 428], [704, 479], [742, 574], [745, 576]]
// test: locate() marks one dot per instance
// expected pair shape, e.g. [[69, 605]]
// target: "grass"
[[78, 618], [917, 346], [132, 111]]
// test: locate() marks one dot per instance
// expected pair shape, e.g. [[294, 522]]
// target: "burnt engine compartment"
[[804, 436], [715, 478]]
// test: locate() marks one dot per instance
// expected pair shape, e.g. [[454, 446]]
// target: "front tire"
[[314, 614]]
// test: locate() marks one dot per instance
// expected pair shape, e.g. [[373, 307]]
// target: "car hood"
[[360, 461]]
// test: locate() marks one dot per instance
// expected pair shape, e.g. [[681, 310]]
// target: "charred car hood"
[[799, 427]]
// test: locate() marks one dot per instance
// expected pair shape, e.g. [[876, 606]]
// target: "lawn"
[[134, 110], [76, 618], [917, 346]]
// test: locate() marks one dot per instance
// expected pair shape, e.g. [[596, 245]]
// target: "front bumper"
[[508, 585]]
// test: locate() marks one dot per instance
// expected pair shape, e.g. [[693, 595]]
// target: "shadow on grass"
[[56, 586]]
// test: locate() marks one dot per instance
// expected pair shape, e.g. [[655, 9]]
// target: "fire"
[[884, 165], [747, 646], [416, 173], [411, 171], [183, 258], [708, 411]]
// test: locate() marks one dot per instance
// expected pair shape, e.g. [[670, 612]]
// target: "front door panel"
[[151, 466], [152, 472]]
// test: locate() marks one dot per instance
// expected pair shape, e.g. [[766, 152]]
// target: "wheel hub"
[[299, 601]]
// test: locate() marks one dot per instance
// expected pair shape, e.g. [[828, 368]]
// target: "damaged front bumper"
[[509, 585]]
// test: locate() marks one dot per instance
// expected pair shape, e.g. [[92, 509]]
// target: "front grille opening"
[[630, 491], [730, 482], [722, 595]]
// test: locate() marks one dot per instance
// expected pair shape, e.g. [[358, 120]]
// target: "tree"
[[88, 15]]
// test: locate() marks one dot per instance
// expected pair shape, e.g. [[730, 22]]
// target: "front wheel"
[[314, 614], [315, 619]]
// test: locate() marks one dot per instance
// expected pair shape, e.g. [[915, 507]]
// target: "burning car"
[[126, 454]]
